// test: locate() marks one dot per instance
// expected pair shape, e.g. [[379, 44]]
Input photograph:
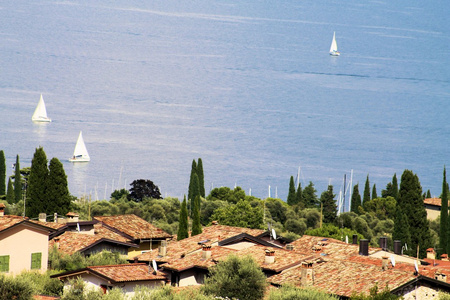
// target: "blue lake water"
[[248, 86]]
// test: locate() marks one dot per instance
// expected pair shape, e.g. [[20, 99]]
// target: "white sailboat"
[[80, 154], [40, 113], [333, 49]]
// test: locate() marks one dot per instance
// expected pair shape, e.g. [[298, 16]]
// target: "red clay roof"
[[8, 221], [433, 201], [135, 227]]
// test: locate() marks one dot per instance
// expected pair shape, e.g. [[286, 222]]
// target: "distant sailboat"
[[40, 113], [80, 154], [333, 49]]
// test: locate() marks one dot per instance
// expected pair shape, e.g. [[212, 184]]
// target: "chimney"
[[270, 257], [163, 248], [289, 247], [206, 252], [398, 247], [364, 247], [215, 223], [444, 257], [383, 243], [55, 217], [56, 239], [307, 274], [384, 263], [430, 253], [2, 209], [42, 217], [355, 239]]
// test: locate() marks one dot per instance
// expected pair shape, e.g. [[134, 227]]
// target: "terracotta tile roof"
[[8, 221], [71, 242], [49, 224], [128, 272], [133, 226], [105, 232], [212, 234], [433, 201]]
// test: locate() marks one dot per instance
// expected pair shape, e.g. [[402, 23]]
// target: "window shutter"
[[4, 263], [36, 260]]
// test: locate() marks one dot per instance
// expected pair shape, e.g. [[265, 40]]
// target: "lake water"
[[248, 86]]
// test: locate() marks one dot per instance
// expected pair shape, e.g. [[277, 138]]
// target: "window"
[[36, 260], [4, 263]]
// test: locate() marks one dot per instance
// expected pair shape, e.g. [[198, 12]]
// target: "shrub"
[[290, 292]]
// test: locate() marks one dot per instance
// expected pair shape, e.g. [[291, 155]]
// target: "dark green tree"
[[191, 189], [366, 195], [10, 192], [356, 199], [401, 227], [241, 214], [196, 226], [37, 201], [58, 196], [391, 189], [298, 195], [411, 202], [329, 208], [144, 188], [291, 198], [374, 191], [201, 178], [2, 173], [443, 234], [194, 192], [236, 278], [17, 181], [309, 196], [428, 195], [119, 194], [183, 230]]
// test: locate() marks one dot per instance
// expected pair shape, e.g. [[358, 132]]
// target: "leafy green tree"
[[297, 226], [277, 208], [196, 226], [58, 196], [118, 194], [329, 207], [298, 195], [141, 189], [17, 181], [383, 208], [391, 189], [2, 173], [291, 198], [12, 288], [201, 178], [192, 191], [366, 195], [309, 196], [227, 194], [356, 199], [444, 233], [183, 230], [374, 191], [208, 208], [241, 214], [374, 294], [287, 292], [37, 190], [332, 231], [10, 192], [235, 277]]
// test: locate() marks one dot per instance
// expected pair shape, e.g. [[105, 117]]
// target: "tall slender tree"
[[201, 178], [309, 196], [443, 234], [401, 227], [356, 199], [192, 191], [58, 196], [366, 195], [374, 191], [17, 181], [291, 198], [196, 226], [183, 230], [329, 207], [37, 201], [2, 173], [298, 195], [10, 192]]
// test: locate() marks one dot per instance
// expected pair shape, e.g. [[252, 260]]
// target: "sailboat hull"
[[335, 53], [79, 159]]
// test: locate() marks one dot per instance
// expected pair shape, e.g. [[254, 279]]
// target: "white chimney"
[[206, 252], [2, 209], [307, 274], [42, 217], [270, 257], [163, 248]]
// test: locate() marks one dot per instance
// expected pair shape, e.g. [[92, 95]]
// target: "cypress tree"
[[58, 196], [201, 178], [356, 199], [428, 194], [196, 226], [395, 187], [37, 185], [183, 231], [401, 228], [366, 195], [411, 202], [329, 206], [195, 191], [443, 234], [2, 173], [374, 191], [10, 192], [309, 196], [291, 198], [191, 189], [298, 195], [17, 181]]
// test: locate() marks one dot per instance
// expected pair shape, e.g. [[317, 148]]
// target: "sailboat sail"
[[333, 49], [80, 153], [40, 113]]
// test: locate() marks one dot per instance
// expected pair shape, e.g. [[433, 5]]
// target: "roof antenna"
[[155, 267]]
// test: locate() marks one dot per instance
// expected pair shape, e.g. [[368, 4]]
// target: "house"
[[127, 277], [23, 244], [433, 207]]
